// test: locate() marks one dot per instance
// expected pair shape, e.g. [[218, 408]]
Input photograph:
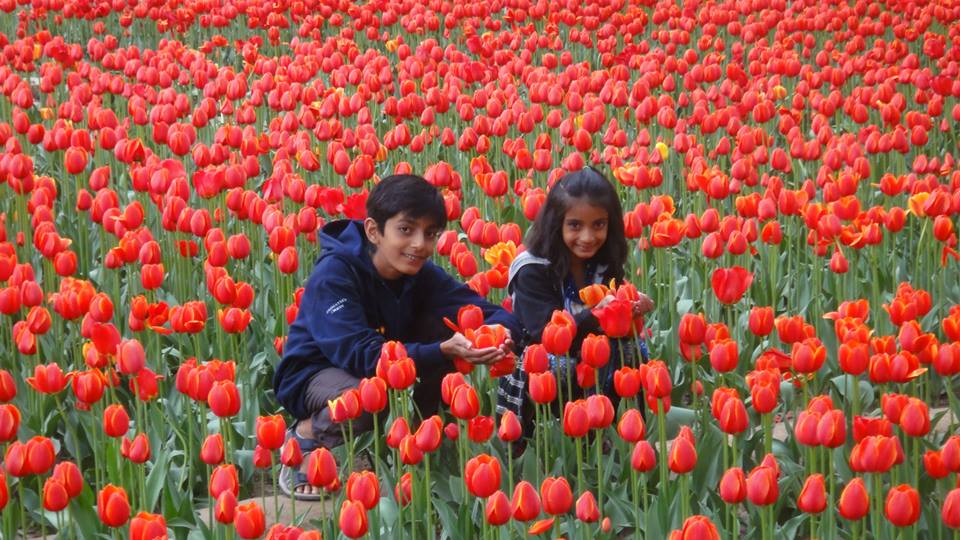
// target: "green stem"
[[662, 460], [276, 496]]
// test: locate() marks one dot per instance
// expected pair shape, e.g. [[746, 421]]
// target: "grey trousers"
[[330, 382]]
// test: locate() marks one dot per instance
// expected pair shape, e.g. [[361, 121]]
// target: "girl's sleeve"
[[535, 299]]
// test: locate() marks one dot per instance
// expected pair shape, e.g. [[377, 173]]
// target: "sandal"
[[292, 478]]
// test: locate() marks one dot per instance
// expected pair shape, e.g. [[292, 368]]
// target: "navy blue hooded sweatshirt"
[[348, 311]]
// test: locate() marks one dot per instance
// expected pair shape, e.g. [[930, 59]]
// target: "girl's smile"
[[584, 230]]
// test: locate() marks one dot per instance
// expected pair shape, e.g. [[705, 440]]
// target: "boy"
[[374, 282]]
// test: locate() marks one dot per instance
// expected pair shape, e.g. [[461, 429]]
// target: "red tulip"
[[915, 418], [68, 474], [498, 509], [556, 495], [212, 452], [762, 488], [410, 453], [951, 509], [403, 490], [8, 388], [724, 355], [429, 435], [813, 495], [88, 386], [55, 497], [116, 421], [271, 431], [224, 399], [832, 429], [934, 465], [631, 426], [733, 486], [616, 318], [373, 394], [353, 519], [9, 422], [693, 328], [525, 505], [656, 379], [510, 429], [131, 357], [48, 379], [224, 478], [595, 351], [683, 453], [321, 468], [643, 458], [290, 454], [364, 487], [576, 418], [696, 528], [764, 389], [808, 355], [480, 428], [249, 520], [902, 506], [397, 432], [136, 450], [344, 407], [730, 284], [543, 387], [112, 506], [558, 334], [586, 508], [854, 501], [146, 526], [262, 458], [761, 321], [464, 402], [535, 359], [482, 475]]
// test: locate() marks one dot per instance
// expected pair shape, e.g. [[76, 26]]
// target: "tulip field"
[[790, 180]]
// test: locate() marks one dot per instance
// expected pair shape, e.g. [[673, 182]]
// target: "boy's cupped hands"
[[459, 346]]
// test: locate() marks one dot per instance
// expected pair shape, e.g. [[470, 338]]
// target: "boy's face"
[[404, 245]]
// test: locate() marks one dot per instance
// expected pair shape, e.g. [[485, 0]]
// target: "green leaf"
[[158, 475], [448, 518]]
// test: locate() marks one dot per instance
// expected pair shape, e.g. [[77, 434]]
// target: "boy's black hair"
[[408, 194], [545, 236]]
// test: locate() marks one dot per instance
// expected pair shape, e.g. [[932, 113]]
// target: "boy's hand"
[[643, 305], [460, 347]]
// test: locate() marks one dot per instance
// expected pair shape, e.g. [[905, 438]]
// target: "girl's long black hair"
[[545, 236]]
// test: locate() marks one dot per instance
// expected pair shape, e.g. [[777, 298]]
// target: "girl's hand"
[[507, 346], [643, 305], [458, 346], [604, 301]]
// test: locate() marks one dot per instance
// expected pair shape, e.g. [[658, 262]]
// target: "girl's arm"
[[537, 295]]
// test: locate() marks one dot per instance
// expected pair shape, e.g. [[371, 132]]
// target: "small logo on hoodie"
[[337, 306]]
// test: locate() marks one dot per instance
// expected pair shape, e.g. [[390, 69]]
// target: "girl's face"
[[584, 229]]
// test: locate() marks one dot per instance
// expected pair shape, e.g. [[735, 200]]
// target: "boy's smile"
[[404, 246]]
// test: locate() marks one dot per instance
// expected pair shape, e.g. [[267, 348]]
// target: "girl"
[[576, 240]]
